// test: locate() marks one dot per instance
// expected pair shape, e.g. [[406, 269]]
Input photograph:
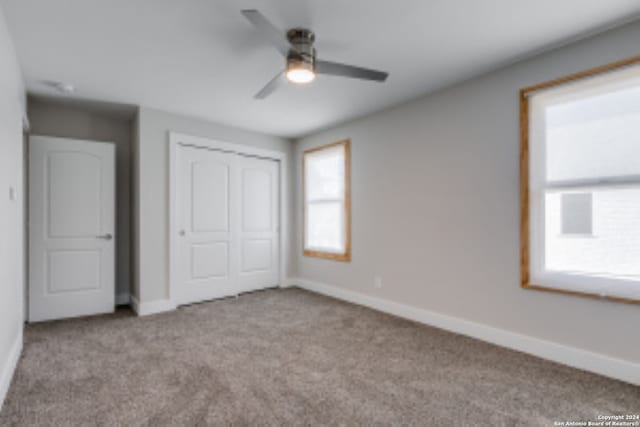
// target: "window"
[[581, 183], [327, 205]]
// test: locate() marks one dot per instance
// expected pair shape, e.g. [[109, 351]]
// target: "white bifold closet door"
[[228, 224]]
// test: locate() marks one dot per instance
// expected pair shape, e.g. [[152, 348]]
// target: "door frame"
[[24, 192], [175, 141]]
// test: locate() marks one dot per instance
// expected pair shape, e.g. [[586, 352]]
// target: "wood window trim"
[[346, 256], [525, 275]]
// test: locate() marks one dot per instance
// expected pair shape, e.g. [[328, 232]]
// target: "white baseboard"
[[151, 307], [123, 299], [582, 359], [289, 282], [7, 371]]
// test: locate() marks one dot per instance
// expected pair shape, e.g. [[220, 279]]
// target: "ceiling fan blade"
[[344, 70], [269, 31], [270, 87]]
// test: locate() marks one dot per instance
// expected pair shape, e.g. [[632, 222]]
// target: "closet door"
[[207, 212], [258, 233]]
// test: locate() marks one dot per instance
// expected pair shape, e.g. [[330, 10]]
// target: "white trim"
[[151, 307], [289, 282], [582, 359], [123, 298], [176, 139], [230, 147], [7, 371], [135, 305], [26, 124]]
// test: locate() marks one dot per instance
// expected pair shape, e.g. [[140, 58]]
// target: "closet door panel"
[[207, 210], [258, 250]]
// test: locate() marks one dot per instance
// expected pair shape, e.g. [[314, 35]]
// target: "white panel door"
[[71, 228], [258, 234], [227, 224], [207, 212]]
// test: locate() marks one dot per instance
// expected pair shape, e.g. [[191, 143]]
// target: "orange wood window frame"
[[524, 174], [346, 256]]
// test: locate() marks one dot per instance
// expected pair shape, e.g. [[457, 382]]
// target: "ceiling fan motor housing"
[[304, 55], [302, 64]]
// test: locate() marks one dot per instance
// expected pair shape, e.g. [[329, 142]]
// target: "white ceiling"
[[202, 58]]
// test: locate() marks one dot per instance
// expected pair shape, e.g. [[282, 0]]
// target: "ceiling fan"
[[296, 45]]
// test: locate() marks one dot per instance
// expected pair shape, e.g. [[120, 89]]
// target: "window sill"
[[328, 255], [579, 293]]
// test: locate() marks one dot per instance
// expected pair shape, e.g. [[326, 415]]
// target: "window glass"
[[611, 248], [325, 231], [326, 201], [325, 173]]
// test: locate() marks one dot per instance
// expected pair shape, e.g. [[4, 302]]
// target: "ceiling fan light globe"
[[300, 75]]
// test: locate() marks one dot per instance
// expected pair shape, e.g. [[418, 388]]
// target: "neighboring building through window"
[[581, 183], [327, 204]]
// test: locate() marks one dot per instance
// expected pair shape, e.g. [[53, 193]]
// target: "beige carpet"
[[289, 357]]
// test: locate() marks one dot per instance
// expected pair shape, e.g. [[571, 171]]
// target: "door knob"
[[107, 236], [181, 232]]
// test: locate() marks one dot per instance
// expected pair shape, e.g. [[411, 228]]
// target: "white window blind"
[[325, 200], [584, 183]]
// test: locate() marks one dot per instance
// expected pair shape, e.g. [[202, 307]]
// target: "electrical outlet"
[[377, 282]]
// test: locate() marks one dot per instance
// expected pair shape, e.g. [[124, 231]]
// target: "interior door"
[[71, 228], [258, 234], [207, 213]]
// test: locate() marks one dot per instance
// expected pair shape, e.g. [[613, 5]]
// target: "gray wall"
[[152, 178], [12, 111], [56, 119], [435, 186]]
